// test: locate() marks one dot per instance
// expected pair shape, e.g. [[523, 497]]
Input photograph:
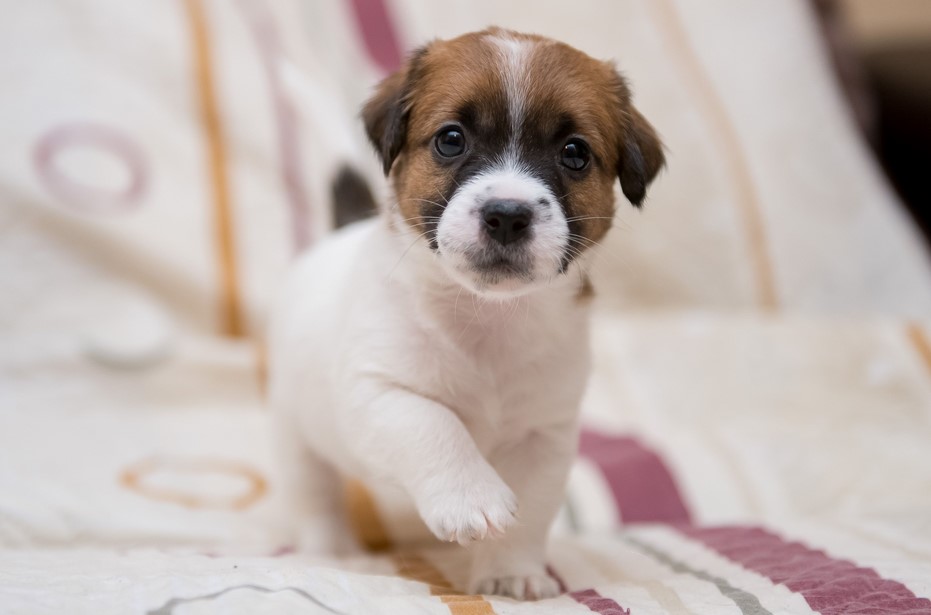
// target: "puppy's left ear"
[[641, 157], [385, 114]]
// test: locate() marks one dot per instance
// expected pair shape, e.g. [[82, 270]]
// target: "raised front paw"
[[475, 511], [535, 586]]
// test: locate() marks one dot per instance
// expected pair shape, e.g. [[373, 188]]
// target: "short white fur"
[[459, 232], [514, 54], [389, 363]]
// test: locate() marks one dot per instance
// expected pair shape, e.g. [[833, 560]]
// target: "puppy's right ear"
[[386, 113]]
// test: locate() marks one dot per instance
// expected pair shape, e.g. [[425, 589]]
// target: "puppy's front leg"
[[423, 445], [537, 469]]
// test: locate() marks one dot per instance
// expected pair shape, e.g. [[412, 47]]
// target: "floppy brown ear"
[[385, 114], [641, 157]]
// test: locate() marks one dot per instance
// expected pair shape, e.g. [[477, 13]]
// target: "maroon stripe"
[[643, 487], [597, 603], [378, 33], [830, 586], [589, 598]]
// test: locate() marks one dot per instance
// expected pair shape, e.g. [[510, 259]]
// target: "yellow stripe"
[[416, 568], [261, 365], [714, 109], [920, 341], [367, 525], [371, 532], [230, 309], [467, 605], [364, 518]]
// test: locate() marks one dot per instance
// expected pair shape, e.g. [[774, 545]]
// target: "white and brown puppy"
[[443, 346]]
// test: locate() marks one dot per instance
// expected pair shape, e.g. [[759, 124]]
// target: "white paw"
[[537, 586], [483, 509]]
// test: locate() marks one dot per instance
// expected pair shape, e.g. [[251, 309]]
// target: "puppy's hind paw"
[[522, 587]]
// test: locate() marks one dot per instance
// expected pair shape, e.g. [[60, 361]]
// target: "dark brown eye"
[[575, 155], [450, 142]]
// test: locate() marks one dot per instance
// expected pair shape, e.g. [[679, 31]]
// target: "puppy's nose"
[[506, 221]]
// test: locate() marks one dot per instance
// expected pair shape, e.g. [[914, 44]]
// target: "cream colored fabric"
[[770, 198], [136, 466], [768, 420], [624, 568], [112, 94]]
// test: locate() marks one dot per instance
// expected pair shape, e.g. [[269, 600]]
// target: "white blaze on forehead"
[[514, 54]]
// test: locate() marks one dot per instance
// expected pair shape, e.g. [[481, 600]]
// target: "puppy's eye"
[[450, 142], [575, 155]]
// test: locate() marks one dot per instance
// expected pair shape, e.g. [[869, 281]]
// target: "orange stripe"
[[261, 365], [417, 568], [714, 109], [468, 605], [369, 529], [230, 309], [364, 518], [921, 343]]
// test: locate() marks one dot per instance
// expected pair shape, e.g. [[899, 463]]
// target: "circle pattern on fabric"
[[196, 483], [92, 167]]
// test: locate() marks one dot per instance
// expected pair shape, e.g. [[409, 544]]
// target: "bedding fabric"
[[757, 424]]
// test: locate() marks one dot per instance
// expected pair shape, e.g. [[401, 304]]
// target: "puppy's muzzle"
[[506, 221]]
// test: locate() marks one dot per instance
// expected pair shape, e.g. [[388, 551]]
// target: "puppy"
[[443, 346]]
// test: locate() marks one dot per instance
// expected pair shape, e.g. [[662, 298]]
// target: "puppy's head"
[[503, 149]]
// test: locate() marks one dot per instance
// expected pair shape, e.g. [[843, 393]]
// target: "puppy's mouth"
[[492, 265], [502, 246], [494, 270]]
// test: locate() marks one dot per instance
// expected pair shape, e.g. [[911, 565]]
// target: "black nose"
[[506, 221]]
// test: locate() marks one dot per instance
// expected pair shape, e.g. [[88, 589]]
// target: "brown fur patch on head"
[[566, 84], [564, 93], [456, 76]]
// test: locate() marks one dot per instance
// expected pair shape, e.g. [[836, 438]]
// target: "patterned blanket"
[[758, 421]]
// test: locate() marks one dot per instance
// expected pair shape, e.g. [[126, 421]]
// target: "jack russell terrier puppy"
[[443, 345]]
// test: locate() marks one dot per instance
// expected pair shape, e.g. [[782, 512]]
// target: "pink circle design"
[[82, 195]]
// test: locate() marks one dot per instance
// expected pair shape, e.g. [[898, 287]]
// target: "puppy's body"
[[387, 378], [444, 345]]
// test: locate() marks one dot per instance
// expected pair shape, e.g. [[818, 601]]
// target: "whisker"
[[481, 304], [580, 218], [408, 249], [456, 305], [442, 196], [417, 221], [440, 205], [590, 242]]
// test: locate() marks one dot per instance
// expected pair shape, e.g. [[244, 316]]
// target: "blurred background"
[[882, 54], [761, 331]]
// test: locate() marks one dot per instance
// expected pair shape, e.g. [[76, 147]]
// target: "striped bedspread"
[[649, 570], [758, 422], [740, 504]]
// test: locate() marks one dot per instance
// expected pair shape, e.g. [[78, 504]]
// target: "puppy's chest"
[[503, 383]]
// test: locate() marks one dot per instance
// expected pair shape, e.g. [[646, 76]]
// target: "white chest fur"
[[383, 369], [355, 312]]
